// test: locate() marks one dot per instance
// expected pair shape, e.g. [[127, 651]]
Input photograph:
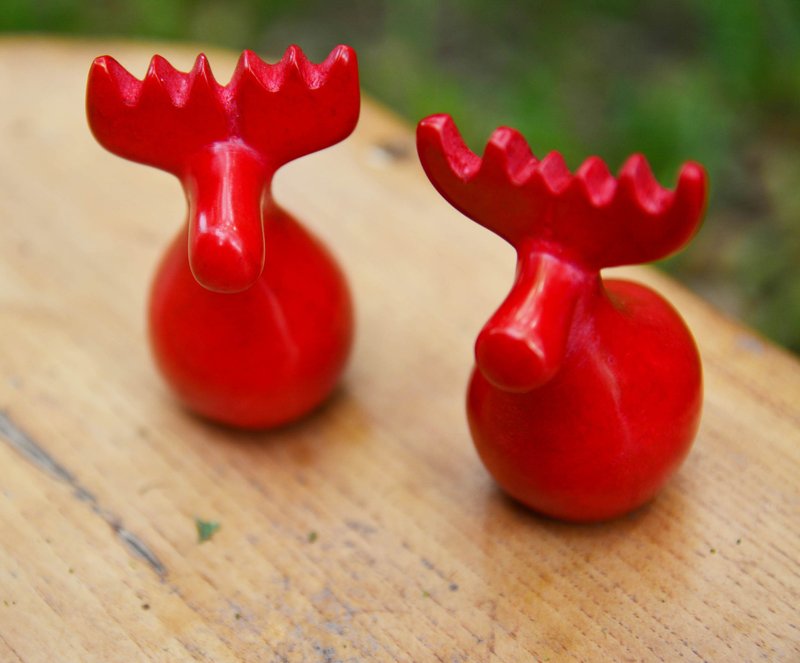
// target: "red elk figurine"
[[251, 319], [587, 391]]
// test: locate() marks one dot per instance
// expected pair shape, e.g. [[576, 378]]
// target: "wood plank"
[[369, 531]]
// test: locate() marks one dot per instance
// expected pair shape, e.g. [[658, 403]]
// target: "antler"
[[296, 107], [282, 111], [592, 217]]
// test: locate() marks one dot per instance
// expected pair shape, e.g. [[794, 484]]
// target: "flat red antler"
[[594, 218], [282, 111]]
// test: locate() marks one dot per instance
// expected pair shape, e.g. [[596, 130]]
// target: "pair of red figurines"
[[587, 392]]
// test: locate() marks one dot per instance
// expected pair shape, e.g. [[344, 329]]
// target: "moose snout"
[[523, 344], [222, 261], [224, 187], [513, 361]]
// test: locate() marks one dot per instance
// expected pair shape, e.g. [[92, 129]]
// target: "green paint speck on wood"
[[205, 529]]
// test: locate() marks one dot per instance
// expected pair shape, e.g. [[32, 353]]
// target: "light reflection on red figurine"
[[251, 319], [587, 392]]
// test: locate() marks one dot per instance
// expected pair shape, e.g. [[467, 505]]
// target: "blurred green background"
[[717, 81]]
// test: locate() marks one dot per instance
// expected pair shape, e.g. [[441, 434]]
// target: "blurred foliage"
[[717, 81]]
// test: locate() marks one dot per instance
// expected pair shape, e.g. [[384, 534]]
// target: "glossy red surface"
[[587, 393], [263, 356], [251, 320]]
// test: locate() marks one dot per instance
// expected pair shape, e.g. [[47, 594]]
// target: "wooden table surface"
[[370, 531]]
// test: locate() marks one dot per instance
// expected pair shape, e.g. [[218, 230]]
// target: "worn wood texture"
[[370, 531]]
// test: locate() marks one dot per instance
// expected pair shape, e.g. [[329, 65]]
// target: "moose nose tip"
[[512, 362], [222, 265]]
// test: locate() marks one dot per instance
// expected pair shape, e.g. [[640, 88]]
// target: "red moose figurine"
[[251, 319], [587, 391]]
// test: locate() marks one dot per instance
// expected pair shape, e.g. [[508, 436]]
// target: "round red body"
[[266, 355], [612, 425]]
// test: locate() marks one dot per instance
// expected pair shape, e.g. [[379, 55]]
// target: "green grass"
[[717, 81]]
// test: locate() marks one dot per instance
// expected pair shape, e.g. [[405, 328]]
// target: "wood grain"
[[369, 531]]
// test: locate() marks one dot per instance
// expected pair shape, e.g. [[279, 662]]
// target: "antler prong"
[[599, 185], [636, 180], [507, 155], [691, 190], [203, 88], [555, 173], [440, 141], [162, 81]]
